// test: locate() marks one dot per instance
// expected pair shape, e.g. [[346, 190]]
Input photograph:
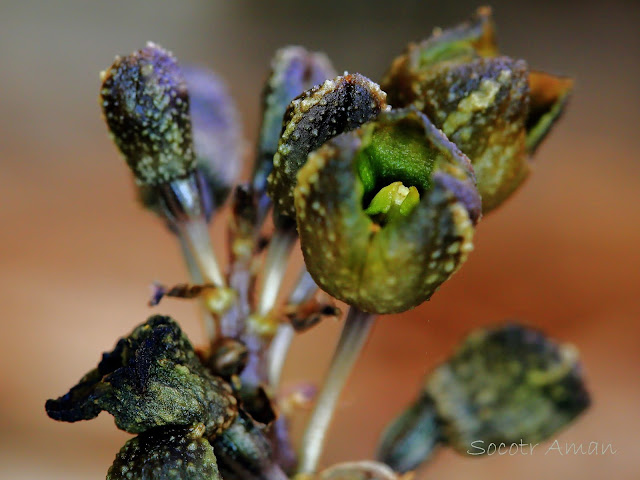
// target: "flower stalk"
[[275, 267], [352, 340], [208, 320], [303, 291]]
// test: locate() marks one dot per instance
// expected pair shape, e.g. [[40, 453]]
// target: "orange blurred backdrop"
[[77, 254]]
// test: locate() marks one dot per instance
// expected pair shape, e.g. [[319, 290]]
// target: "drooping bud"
[[167, 453], [146, 106], [504, 385], [386, 263], [293, 71], [339, 105], [152, 378], [508, 384]]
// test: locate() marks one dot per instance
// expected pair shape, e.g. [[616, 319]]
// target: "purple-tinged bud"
[[146, 106], [293, 71], [217, 135]]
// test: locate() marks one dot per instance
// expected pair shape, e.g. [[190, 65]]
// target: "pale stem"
[[303, 291], [208, 320], [275, 266], [278, 351], [196, 235], [352, 339], [232, 322]]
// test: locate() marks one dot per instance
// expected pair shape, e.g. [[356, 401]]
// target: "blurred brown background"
[[77, 254]]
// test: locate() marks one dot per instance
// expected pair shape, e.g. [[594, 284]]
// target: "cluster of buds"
[[383, 186]]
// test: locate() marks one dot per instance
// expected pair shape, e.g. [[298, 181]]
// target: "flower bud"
[[508, 384], [293, 71], [492, 107], [217, 146], [168, 453], [217, 136], [146, 106], [228, 357], [386, 251], [317, 115], [152, 378]]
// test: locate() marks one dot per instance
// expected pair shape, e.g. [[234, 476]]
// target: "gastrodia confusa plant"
[[382, 186]]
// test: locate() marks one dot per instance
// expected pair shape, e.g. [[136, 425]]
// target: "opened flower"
[[384, 223], [385, 214]]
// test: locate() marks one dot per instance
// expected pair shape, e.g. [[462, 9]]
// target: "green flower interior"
[[394, 167]]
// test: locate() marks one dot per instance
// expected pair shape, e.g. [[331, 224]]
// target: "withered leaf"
[[152, 378]]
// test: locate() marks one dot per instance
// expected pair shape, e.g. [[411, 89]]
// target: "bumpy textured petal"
[[549, 95], [399, 265], [492, 108], [168, 453], [482, 107], [507, 384], [152, 378], [293, 71], [465, 42], [325, 111], [146, 106]]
